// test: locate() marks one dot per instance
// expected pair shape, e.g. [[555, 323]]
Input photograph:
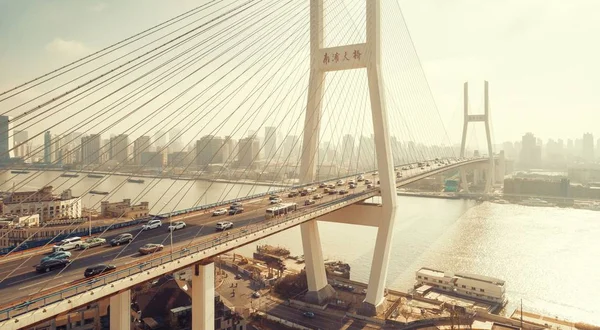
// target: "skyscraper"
[[47, 147], [531, 152], [6, 138], [21, 144], [140, 145], [159, 140], [291, 148], [249, 151], [210, 150], [175, 143], [90, 149], [270, 143], [587, 150], [119, 148]]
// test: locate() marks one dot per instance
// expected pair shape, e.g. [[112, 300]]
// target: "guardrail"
[[87, 285]]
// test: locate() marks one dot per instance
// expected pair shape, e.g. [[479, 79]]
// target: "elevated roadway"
[[38, 297]]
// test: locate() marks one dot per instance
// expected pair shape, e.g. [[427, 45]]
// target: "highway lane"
[[26, 282]]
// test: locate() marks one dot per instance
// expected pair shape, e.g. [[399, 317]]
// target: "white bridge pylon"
[[485, 118], [366, 55]]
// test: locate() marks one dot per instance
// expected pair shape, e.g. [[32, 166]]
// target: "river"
[[549, 257]]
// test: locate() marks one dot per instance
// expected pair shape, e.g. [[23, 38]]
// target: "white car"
[[276, 201], [177, 225], [152, 224], [68, 244], [224, 225], [219, 212]]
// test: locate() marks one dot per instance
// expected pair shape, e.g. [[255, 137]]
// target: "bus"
[[280, 209]]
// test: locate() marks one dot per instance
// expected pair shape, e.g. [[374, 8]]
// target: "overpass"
[[31, 310]]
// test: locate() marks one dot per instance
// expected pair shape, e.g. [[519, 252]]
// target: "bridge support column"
[[203, 296], [318, 288], [374, 301], [120, 310]]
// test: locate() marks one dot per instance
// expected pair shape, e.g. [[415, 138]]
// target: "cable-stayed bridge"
[[310, 74]]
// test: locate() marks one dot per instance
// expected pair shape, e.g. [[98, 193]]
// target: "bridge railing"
[[85, 285]]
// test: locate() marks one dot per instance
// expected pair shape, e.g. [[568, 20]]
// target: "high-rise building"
[[347, 148], [531, 152], [291, 148], [587, 148], [159, 140], [56, 149], [47, 147], [6, 139], [175, 140], [119, 148], [21, 145], [249, 151], [90, 149], [270, 143], [140, 145], [210, 150]]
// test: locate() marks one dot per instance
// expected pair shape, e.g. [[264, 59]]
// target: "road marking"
[[36, 283]]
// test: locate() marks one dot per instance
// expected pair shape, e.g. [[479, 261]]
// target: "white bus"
[[279, 209]]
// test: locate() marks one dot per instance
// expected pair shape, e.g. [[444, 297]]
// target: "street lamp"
[[170, 228]]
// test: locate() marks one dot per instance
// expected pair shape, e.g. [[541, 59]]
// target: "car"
[[340, 182], [219, 212], [272, 197], [309, 202], [67, 244], [351, 182], [98, 269], [150, 248], [326, 190], [293, 194], [317, 196], [236, 211], [276, 201], [238, 276], [360, 178], [404, 168], [303, 193], [92, 242], [177, 225], [236, 204], [323, 185], [368, 181], [224, 225], [256, 294], [352, 186], [309, 315], [375, 173], [51, 264], [369, 186], [57, 255], [121, 239], [343, 192], [152, 224], [333, 192]]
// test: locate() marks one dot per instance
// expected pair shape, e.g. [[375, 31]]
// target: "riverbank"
[[155, 176]]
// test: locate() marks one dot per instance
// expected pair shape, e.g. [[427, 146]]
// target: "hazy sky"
[[540, 56]]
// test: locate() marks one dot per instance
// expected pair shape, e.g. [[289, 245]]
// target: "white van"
[[67, 244]]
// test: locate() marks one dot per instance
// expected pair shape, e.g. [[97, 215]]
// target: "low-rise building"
[[123, 209], [469, 285], [30, 220], [42, 202]]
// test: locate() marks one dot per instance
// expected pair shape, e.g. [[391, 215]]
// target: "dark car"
[[121, 239], [273, 197], [236, 211], [51, 264], [98, 269], [309, 315]]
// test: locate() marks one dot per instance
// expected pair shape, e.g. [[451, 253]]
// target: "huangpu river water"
[[549, 257]]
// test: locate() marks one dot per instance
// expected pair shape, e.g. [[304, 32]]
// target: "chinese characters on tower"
[[337, 57]]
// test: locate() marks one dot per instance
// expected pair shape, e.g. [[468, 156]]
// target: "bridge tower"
[[366, 55], [485, 118]]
